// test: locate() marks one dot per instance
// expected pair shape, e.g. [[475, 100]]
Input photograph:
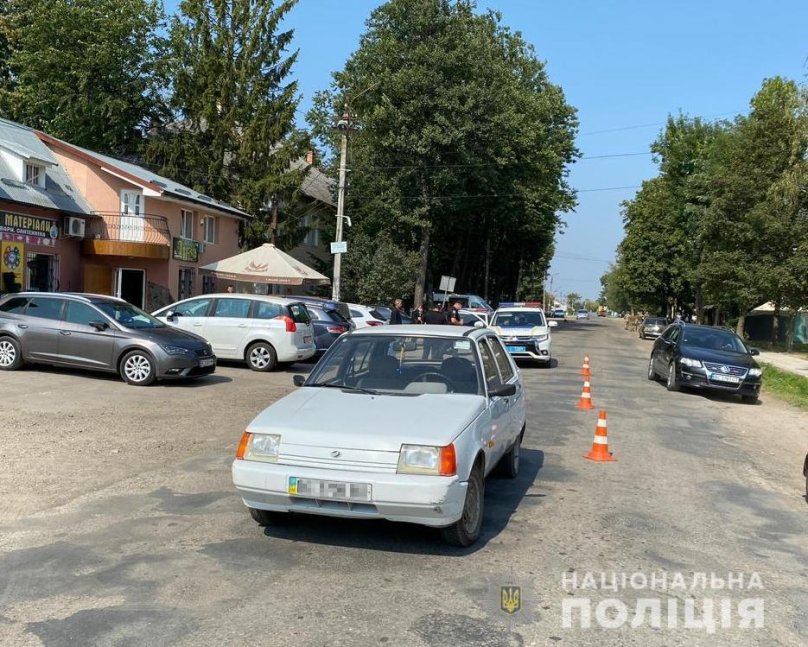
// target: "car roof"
[[83, 296], [416, 330]]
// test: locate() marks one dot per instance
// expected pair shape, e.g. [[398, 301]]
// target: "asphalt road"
[[119, 524]]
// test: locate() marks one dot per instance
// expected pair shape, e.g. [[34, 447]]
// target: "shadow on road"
[[502, 498]]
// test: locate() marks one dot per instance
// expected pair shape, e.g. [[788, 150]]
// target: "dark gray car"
[[100, 333]]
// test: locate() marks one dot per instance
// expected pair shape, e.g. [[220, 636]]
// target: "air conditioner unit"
[[74, 227]]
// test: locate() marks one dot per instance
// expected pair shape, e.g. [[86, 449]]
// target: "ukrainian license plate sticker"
[[336, 490], [516, 349], [729, 379], [207, 362]]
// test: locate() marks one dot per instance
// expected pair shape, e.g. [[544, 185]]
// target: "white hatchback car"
[[263, 331], [525, 331], [346, 444], [363, 316]]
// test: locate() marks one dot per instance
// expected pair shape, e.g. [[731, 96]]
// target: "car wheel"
[[137, 368], [268, 517], [749, 399], [261, 357], [465, 531], [673, 380], [651, 372], [10, 354], [509, 463]]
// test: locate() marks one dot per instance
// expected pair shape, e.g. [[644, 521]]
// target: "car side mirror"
[[754, 351], [298, 380], [503, 391], [99, 325], [479, 324], [552, 324]]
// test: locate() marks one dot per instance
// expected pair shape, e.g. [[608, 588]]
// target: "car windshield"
[[713, 340], [518, 319], [128, 315], [397, 364]]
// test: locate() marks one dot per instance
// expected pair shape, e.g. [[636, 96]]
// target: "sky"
[[625, 65]]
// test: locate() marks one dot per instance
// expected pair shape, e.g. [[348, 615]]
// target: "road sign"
[[447, 283], [339, 248]]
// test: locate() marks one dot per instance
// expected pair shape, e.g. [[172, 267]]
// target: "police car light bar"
[[520, 304]]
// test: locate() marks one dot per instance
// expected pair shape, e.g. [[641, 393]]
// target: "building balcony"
[[137, 236]]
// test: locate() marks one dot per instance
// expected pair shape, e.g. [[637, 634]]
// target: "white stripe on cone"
[[601, 440], [602, 424]]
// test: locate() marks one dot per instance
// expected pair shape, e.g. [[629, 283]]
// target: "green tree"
[[461, 146], [574, 301], [83, 70], [232, 135]]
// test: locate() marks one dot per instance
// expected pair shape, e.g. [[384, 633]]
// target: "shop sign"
[[12, 223]]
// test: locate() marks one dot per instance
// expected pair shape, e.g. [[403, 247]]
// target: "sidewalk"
[[785, 362]]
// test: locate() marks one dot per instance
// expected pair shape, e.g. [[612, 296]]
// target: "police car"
[[524, 330]]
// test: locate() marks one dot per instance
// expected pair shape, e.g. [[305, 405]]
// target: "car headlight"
[[174, 350], [687, 361], [259, 447], [755, 372], [425, 459], [541, 337]]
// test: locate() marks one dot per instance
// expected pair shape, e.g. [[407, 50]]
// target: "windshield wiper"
[[345, 387]]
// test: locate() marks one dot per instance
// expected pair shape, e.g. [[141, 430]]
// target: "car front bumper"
[[698, 379], [181, 366], [538, 351], [651, 333], [426, 500]]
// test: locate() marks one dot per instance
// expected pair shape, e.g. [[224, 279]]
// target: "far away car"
[[453, 409], [99, 333], [582, 314], [525, 331], [652, 327], [704, 357]]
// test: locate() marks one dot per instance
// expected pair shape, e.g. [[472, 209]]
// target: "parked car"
[[704, 357], [525, 332], [383, 313], [472, 302], [582, 314], [652, 327], [328, 325], [473, 318], [362, 316], [263, 331], [99, 333], [558, 313], [341, 307], [321, 449]]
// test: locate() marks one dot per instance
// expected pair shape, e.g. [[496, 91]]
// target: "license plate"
[[307, 339], [729, 379], [207, 362], [517, 349], [337, 490]]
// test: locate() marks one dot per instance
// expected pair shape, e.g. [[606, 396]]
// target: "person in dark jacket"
[[396, 312], [418, 315]]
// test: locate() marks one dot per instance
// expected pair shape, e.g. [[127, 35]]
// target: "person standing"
[[396, 312], [418, 315], [453, 316], [433, 317]]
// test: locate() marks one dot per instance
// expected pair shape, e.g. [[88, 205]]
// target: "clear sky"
[[625, 65]]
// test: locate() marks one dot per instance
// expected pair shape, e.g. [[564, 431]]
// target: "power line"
[[658, 123]]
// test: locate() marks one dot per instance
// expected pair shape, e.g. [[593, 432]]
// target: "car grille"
[[737, 371], [522, 339], [207, 351]]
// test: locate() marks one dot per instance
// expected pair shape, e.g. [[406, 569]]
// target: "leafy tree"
[[574, 301], [461, 146], [84, 70], [232, 135]]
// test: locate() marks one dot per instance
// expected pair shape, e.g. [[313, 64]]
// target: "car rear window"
[[267, 310], [15, 305], [299, 313]]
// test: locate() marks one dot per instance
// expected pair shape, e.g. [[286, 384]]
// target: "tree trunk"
[[487, 265], [739, 328], [790, 332], [717, 316], [699, 305], [776, 324], [420, 281]]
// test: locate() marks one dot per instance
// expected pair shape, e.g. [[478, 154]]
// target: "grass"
[[779, 347], [786, 386]]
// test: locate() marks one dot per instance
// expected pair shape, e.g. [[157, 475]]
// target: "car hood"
[[526, 331], [327, 417], [719, 356], [170, 335]]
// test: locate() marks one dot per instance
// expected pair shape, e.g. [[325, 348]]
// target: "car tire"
[[261, 357], [10, 354], [673, 380], [269, 517], [137, 368], [652, 375], [749, 399], [509, 463], [465, 531]]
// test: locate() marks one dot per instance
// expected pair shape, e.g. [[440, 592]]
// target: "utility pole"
[[274, 233], [344, 126]]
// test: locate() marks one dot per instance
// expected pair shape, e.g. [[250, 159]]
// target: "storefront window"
[[42, 272], [186, 283]]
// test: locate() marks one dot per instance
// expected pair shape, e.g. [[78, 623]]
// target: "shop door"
[[130, 285], [43, 270], [98, 279]]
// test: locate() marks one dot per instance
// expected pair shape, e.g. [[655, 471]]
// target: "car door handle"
[[242, 325], [22, 326], [64, 332], [197, 324]]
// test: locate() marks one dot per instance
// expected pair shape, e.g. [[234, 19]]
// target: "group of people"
[[436, 316]]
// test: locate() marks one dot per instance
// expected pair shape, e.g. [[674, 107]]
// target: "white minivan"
[[263, 331]]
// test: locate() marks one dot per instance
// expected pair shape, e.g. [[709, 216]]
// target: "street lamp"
[[544, 287]]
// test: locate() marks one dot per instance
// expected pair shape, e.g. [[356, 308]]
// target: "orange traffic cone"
[[585, 368], [585, 401], [600, 446]]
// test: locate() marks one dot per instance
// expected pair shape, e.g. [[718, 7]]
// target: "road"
[[119, 524]]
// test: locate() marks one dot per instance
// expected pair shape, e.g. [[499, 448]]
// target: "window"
[[131, 203], [502, 359], [186, 283], [267, 310], [193, 308], [209, 230], [15, 305], [312, 223], [81, 313], [187, 224], [45, 308], [43, 270], [35, 174], [489, 366], [239, 308], [208, 284]]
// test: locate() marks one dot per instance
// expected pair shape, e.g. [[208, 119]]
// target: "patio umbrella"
[[265, 264]]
